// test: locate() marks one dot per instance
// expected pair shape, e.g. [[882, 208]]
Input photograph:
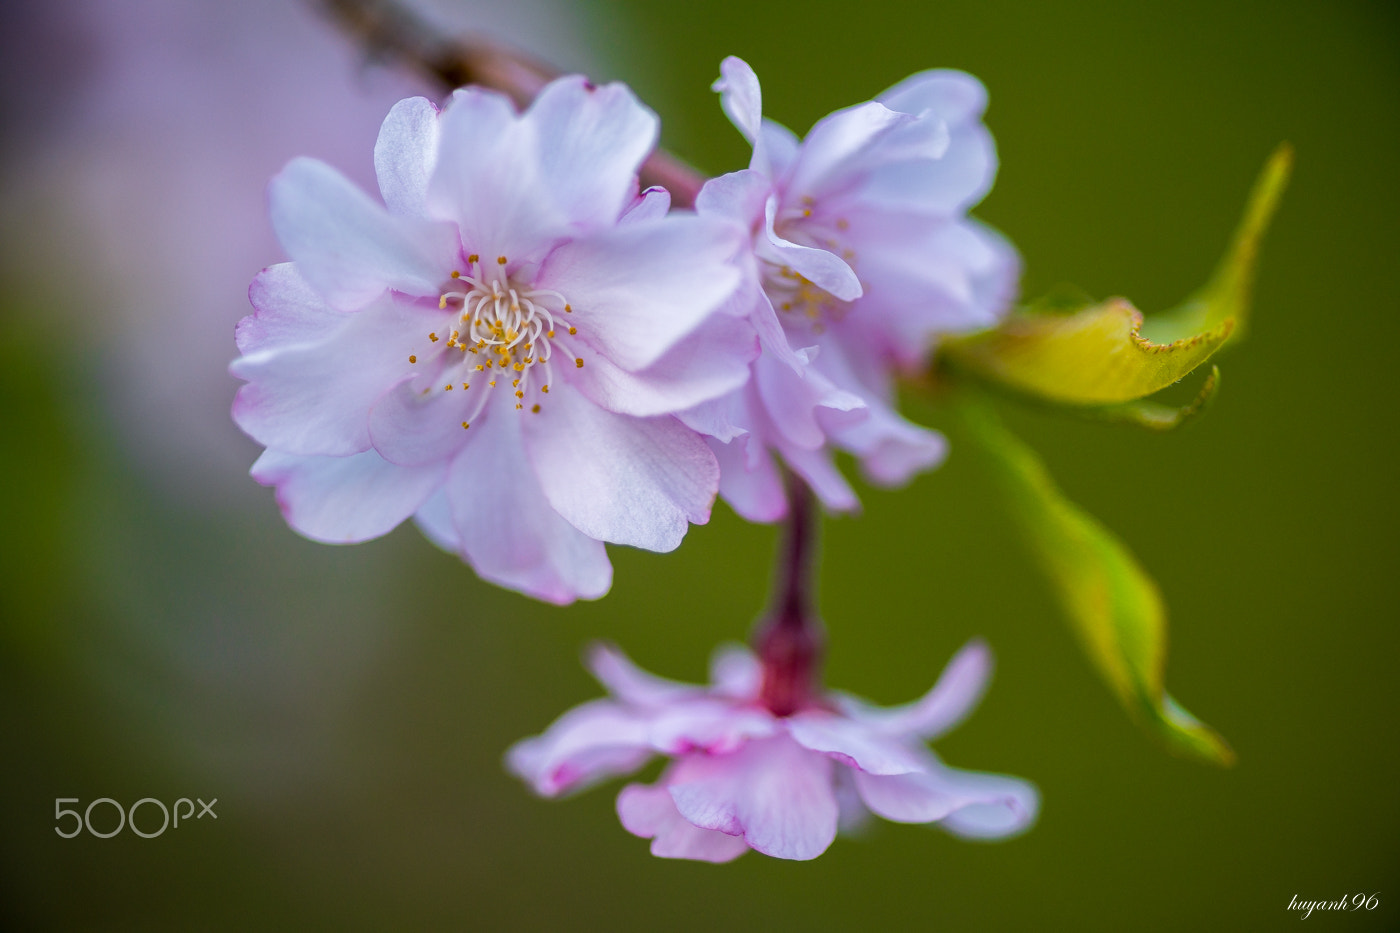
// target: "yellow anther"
[[568, 310], [412, 359], [465, 386], [807, 212], [493, 383], [515, 382], [456, 335], [535, 409], [549, 333], [433, 337], [518, 406], [456, 274], [573, 330], [578, 362], [519, 394], [501, 259], [544, 389], [519, 367], [473, 259], [442, 302], [465, 425], [479, 368], [447, 388]]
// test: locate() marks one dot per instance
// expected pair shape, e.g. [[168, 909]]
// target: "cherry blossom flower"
[[498, 348], [743, 778], [862, 258]]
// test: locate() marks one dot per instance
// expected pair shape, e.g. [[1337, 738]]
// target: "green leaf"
[[1089, 354], [1112, 604], [1092, 357], [1155, 416], [1226, 297]]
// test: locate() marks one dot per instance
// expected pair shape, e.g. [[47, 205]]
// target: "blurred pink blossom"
[[742, 778]]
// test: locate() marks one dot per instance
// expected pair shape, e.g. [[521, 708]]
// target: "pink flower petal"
[[952, 699], [343, 500], [589, 743], [652, 204], [349, 248], [753, 490], [639, 288], [629, 683], [711, 361], [313, 372], [735, 672], [740, 96], [637, 481], [952, 96], [649, 812], [405, 155], [508, 532], [853, 743], [591, 141], [776, 793], [984, 806]]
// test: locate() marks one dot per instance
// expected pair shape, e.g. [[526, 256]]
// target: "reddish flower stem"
[[389, 30], [789, 640]]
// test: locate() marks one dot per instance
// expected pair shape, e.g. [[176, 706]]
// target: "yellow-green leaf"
[[1155, 416], [1112, 604], [1092, 357], [1104, 353], [1226, 296]]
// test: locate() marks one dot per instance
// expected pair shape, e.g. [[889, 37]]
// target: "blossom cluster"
[[531, 357]]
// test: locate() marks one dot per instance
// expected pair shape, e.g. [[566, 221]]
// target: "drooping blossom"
[[743, 778], [498, 348], [863, 256]]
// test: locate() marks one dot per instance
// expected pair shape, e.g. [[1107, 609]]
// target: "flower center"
[[498, 329], [800, 302]]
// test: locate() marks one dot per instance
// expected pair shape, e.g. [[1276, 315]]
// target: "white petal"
[[637, 289], [751, 484], [636, 481], [838, 147], [735, 672], [344, 500], [405, 155], [349, 248]]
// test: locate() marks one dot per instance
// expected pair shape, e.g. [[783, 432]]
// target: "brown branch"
[[389, 30]]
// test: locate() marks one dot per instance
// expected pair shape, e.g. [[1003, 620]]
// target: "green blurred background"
[[165, 635]]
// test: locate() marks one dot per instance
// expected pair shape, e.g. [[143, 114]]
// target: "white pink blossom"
[[862, 258], [743, 778], [498, 348]]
